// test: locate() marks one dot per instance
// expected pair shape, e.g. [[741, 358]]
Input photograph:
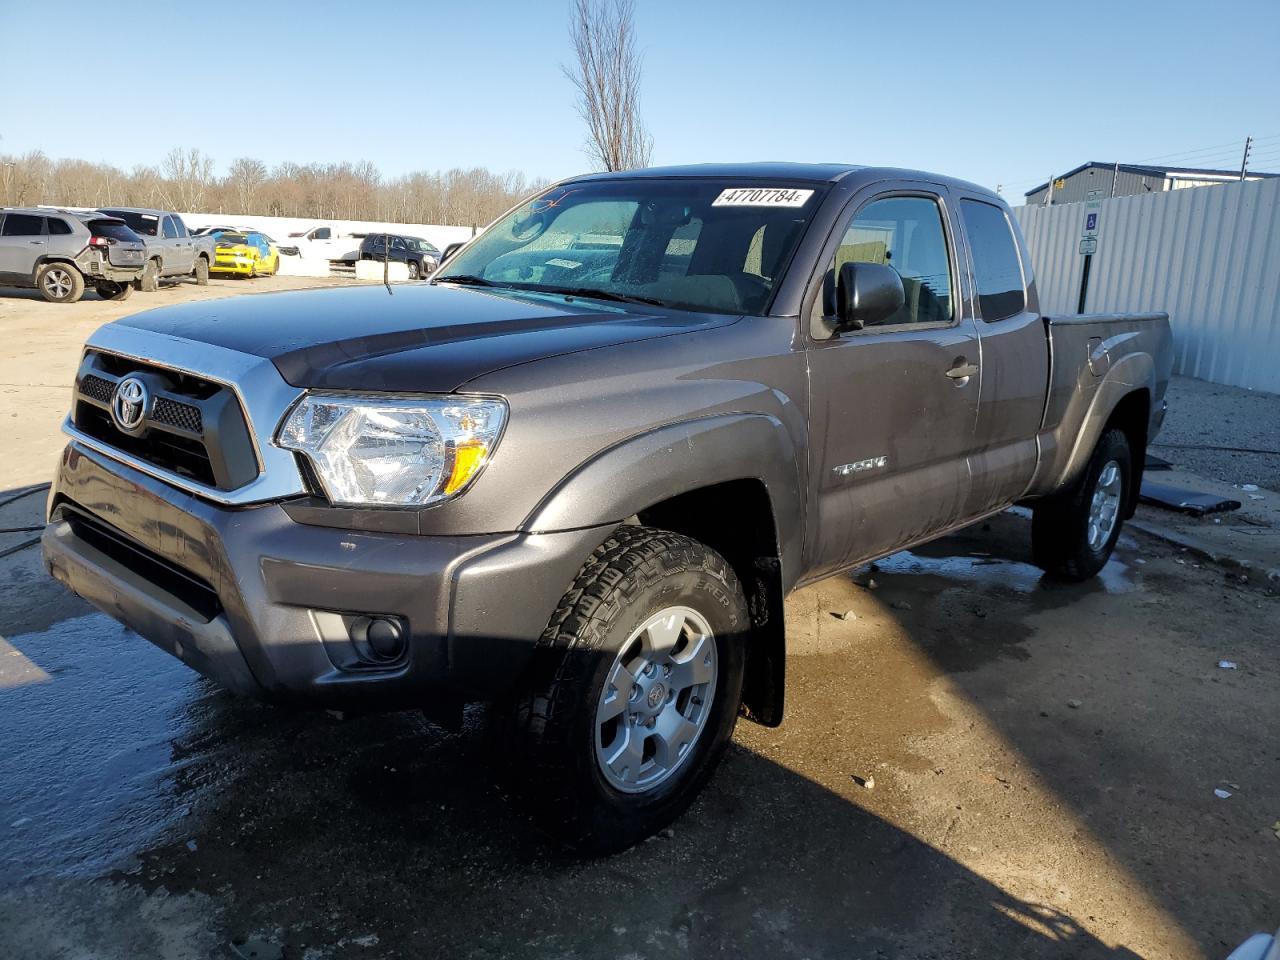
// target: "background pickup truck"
[[326, 243], [577, 473], [172, 251]]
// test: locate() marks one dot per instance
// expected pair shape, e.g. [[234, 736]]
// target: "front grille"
[[172, 579], [180, 415], [95, 388], [194, 427]]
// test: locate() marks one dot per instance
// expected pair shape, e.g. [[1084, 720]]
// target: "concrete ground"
[[977, 763], [1222, 433]]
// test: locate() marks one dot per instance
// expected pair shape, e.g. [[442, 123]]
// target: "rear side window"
[[996, 266], [22, 225], [58, 227], [143, 224], [905, 233], [112, 231]]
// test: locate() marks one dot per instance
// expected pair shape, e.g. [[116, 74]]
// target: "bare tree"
[[606, 75], [246, 176], [188, 173]]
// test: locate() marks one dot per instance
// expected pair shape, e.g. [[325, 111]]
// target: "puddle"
[[978, 570], [87, 766]]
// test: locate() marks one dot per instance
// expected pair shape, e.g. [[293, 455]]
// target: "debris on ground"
[[1184, 501], [1221, 794], [1075, 704], [1275, 828], [257, 950], [1228, 664], [867, 783], [844, 615], [900, 605], [1248, 487]]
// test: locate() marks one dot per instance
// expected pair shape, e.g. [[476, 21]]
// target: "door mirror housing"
[[450, 250], [867, 293]]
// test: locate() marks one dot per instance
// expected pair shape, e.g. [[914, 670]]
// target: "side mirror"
[[867, 293], [450, 250]]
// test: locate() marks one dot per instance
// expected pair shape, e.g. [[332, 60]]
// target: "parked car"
[[245, 254], [172, 251], [201, 231], [579, 480], [420, 256], [325, 242], [59, 252]]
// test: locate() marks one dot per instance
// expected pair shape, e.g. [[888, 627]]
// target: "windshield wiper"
[[597, 293], [466, 279]]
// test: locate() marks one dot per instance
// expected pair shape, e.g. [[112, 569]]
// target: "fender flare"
[[1129, 375], [625, 479]]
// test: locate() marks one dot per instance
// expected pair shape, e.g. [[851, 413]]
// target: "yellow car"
[[245, 254]]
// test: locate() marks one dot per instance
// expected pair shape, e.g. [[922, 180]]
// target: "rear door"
[[22, 243], [892, 418], [1014, 359]]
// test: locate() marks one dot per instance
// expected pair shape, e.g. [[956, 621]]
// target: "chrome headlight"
[[393, 451]]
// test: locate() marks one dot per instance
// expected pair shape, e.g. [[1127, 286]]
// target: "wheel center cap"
[[656, 695]]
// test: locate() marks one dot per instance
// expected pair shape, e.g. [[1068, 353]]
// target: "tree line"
[[185, 181]]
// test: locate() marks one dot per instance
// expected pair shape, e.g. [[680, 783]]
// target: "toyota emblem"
[[129, 403]]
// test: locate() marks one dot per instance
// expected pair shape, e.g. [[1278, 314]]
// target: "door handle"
[[962, 370]]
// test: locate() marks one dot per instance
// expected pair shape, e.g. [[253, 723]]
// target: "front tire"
[[201, 271], [60, 283], [633, 693], [1074, 533], [149, 282], [110, 290], [414, 271]]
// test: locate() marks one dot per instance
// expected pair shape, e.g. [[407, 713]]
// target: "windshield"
[[143, 224], [711, 245]]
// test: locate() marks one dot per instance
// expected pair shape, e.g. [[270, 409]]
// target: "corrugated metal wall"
[[1209, 257]]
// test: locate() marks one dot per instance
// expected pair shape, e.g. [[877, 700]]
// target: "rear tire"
[[633, 692], [60, 282], [201, 271], [1074, 532], [110, 290]]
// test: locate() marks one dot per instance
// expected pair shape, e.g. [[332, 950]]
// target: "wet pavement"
[[1043, 757]]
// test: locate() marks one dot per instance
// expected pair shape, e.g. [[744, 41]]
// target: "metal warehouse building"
[[1128, 179]]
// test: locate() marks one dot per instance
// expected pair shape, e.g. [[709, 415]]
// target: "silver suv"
[[60, 251]]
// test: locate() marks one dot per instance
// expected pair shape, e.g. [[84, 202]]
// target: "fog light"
[[382, 636]]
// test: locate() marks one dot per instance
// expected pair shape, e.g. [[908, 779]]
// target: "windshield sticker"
[[567, 264], [762, 197]]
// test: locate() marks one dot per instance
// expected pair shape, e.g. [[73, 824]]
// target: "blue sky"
[[999, 93]]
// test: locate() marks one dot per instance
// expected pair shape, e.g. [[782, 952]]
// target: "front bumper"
[[247, 596], [240, 267]]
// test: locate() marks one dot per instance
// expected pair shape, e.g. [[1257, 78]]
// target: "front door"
[[893, 406], [22, 243]]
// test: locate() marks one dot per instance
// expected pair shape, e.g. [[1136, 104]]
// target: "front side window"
[[22, 225], [320, 233], [996, 267], [704, 244], [170, 230], [905, 233]]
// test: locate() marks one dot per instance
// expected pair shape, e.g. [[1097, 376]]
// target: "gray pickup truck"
[[172, 250], [576, 475]]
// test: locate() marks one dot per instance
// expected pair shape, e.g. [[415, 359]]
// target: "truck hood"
[[421, 339]]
